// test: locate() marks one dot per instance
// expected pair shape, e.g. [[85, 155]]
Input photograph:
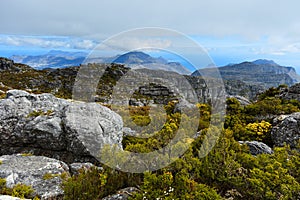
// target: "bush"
[[22, 191], [95, 183], [19, 190], [166, 186]]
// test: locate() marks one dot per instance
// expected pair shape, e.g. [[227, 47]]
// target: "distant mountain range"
[[52, 59], [266, 73], [135, 60], [263, 73]]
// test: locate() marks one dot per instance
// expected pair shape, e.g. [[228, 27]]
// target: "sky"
[[231, 31]]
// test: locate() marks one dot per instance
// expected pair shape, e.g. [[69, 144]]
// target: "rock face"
[[32, 171], [257, 147], [45, 125], [286, 129], [292, 92]]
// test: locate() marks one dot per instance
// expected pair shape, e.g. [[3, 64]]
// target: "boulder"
[[45, 125], [256, 148], [286, 130], [6, 64], [41, 173]]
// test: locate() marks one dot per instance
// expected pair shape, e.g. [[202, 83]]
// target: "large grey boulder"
[[286, 130], [41, 173], [256, 147], [45, 125]]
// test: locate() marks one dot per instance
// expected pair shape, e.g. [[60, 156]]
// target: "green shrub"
[[94, 183], [48, 176], [26, 154], [2, 185], [19, 190], [166, 186], [22, 191], [37, 113]]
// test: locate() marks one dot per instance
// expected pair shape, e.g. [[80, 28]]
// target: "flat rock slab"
[[6, 197], [31, 170]]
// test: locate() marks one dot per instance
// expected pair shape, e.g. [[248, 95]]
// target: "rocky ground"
[[44, 138]]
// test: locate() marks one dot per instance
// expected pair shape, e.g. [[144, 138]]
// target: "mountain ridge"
[[259, 72]]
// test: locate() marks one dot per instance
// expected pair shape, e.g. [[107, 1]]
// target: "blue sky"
[[231, 31], [222, 50]]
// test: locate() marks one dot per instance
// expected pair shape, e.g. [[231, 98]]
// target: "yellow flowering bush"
[[258, 130]]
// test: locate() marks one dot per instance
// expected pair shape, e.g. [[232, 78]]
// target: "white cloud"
[[134, 43], [46, 42], [251, 19]]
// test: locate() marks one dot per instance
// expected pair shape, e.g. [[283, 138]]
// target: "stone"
[[6, 197], [256, 148], [32, 171], [129, 132], [66, 130], [286, 130], [243, 101], [75, 168], [122, 194]]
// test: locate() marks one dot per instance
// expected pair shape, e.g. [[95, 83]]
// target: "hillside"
[[60, 81]]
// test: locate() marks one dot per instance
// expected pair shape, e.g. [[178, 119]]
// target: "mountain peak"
[[138, 59], [134, 57], [264, 62]]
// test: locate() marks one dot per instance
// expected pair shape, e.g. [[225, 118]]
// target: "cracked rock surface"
[[45, 125]]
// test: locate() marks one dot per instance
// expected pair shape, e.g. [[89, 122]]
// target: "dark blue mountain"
[[259, 72]]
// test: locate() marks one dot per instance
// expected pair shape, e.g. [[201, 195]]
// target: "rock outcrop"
[[9, 65], [243, 101], [256, 148], [291, 93], [45, 125], [6, 64], [286, 130], [43, 174]]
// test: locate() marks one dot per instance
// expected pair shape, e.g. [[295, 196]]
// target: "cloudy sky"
[[231, 30]]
